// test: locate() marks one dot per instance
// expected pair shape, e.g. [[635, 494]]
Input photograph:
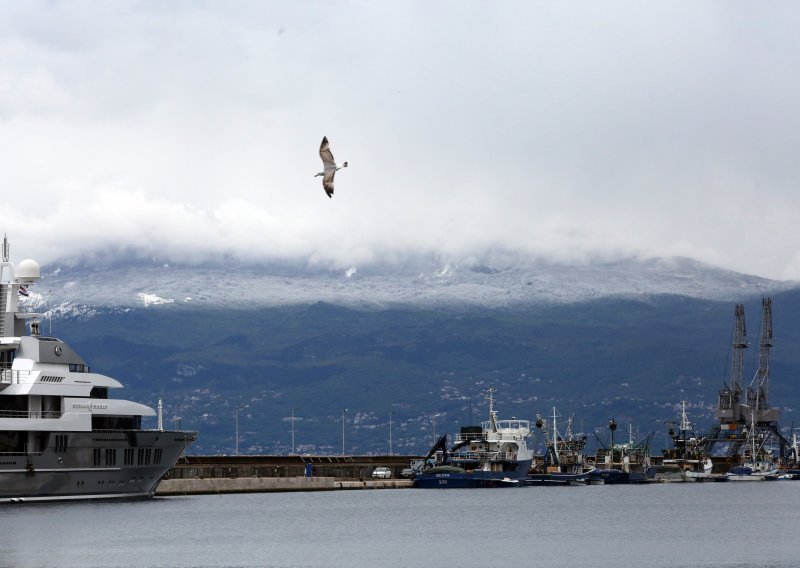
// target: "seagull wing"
[[327, 181], [326, 155]]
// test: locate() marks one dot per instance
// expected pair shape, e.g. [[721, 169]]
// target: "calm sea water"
[[666, 525]]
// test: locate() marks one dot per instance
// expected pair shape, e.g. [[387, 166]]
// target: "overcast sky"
[[565, 130]]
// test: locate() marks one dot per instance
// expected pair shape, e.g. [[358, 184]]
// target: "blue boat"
[[494, 454]]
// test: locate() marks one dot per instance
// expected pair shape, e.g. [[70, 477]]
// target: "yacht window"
[[6, 359], [98, 392], [12, 441], [13, 406], [61, 443]]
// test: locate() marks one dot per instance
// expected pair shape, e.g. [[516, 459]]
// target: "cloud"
[[569, 132]]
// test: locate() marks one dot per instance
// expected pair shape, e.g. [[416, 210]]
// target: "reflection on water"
[[720, 525]]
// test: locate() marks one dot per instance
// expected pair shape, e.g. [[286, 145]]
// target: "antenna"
[[6, 248]]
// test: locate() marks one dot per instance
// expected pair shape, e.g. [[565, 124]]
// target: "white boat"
[[699, 470], [758, 471], [61, 435]]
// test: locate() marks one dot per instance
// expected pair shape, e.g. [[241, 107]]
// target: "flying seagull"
[[330, 166]]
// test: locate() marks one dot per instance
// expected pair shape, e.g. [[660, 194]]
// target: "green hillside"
[[631, 360]]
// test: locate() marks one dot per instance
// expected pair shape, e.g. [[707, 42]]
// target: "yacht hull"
[[93, 465]]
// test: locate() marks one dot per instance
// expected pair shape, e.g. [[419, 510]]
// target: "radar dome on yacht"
[[28, 271]]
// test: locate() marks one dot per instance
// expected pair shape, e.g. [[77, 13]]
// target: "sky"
[[564, 131]]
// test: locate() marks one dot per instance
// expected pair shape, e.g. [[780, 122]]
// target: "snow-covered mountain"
[[422, 283], [288, 337]]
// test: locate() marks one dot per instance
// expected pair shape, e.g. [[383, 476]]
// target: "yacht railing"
[[492, 436], [482, 456], [48, 414], [13, 377], [477, 437]]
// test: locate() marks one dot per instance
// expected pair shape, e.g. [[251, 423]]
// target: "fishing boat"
[[758, 463], [494, 454], [791, 468], [623, 463], [564, 461], [687, 460], [62, 436]]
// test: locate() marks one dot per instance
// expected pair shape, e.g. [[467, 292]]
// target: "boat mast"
[[492, 414], [685, 424], [555, 437]]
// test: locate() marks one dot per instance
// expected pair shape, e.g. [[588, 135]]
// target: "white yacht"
[[61, 436]]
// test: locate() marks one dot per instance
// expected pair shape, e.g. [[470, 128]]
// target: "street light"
[[236, 415], [293, 431], [390, 432], [343, 419]]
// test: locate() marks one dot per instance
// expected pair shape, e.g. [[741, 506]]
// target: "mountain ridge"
[[623, 340], [424, 283]]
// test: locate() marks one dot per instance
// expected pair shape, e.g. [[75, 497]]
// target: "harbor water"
[[727, 525]]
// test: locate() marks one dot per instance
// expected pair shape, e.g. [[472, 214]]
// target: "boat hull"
[[620, 477], [473, 479], [751, 477], [558, 479], [747, 473], [733, 477], [93, 465]]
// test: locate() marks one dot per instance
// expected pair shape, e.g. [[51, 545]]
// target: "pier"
[[197, 475]]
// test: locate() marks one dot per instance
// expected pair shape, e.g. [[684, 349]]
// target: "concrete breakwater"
[[195, 475], [212, 485]]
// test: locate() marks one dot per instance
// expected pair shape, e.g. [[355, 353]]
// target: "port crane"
[[744, 413]]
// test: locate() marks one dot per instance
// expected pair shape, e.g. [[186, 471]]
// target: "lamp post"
[[236, 416], [390, 432], [344, 412], [612, 425], [293, 431]]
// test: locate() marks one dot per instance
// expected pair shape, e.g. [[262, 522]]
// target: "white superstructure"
[[61, 435]]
